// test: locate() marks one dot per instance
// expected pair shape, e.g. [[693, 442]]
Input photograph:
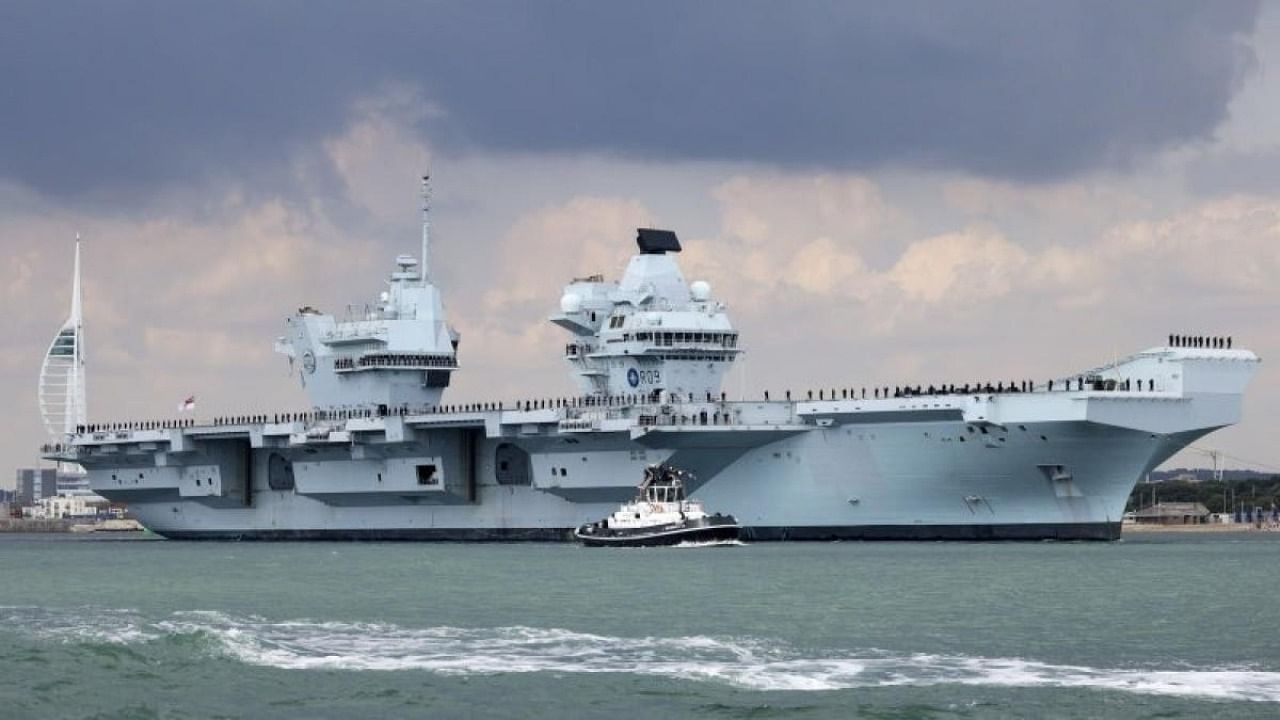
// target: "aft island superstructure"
[[380, 456]]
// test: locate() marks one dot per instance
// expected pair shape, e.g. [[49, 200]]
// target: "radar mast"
[[424, 268]]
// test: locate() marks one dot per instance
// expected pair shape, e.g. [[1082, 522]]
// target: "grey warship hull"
[[987, 467], [381, 458]]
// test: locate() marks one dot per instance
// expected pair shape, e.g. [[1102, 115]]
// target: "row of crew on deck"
[[589, 401], [135, 425], [609, 401], [1200, 341], [394, 360], [900, 391], [1013, 386]]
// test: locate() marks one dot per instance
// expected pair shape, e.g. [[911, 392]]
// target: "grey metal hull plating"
[[882, 481], [1040, 465]]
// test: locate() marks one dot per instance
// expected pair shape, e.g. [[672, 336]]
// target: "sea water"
[[1155, 625]]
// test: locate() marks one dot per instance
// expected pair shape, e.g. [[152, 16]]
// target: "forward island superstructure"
[[381, 456]]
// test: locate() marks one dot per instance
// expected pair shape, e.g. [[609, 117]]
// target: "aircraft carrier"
[[380, 455]]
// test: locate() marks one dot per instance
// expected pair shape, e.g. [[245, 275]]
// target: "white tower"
[[62, 396]]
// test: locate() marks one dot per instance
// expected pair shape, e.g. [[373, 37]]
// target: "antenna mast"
[[76, 317], [79, 407], [425, 265]]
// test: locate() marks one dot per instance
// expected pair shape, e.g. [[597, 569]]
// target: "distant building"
[[76, 483], [1175, 513], [34, 484], [62, 506]]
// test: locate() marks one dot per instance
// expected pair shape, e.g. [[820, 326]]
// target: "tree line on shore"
[[1262, 491]]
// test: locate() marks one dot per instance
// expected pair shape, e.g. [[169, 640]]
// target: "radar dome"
[[570, 303], [701, 290]]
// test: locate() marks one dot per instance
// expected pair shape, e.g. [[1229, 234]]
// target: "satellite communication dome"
[[570, 303], [701, 290], [385, 296]]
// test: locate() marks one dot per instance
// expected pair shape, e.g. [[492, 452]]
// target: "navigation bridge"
[[400, 353], [650, 333]]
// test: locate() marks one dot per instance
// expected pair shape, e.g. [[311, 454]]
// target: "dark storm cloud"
[[140, 94], [1256, 172]]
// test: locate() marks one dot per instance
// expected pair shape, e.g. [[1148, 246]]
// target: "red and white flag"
[[188, 404]]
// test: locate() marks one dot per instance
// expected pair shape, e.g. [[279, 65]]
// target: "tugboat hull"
[[712, 529]]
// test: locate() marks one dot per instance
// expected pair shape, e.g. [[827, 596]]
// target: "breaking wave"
[[710, 543], [749, 663]]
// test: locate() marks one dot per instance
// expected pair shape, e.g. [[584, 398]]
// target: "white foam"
[[748, 663], [709, 543], [82, 625]]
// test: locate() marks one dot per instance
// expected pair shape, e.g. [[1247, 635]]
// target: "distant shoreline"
[[1202, 528], [33, 525], [66, 525]]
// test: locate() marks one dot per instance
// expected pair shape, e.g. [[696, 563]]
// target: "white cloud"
[[822, 267], [1229, 246], [543, 249], [378, 157], [774, 208], [958, 268], [18, 273]]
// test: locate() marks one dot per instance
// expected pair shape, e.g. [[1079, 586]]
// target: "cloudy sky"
[[883, 193]]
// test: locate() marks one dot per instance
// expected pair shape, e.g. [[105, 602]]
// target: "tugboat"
[[659, 515]]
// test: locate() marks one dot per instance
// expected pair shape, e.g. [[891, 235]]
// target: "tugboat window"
[[427, 475]]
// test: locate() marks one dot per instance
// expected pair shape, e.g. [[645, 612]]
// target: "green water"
[[1159, 626]]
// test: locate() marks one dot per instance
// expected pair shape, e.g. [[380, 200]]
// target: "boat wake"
[[748, 663], [710, 543]]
